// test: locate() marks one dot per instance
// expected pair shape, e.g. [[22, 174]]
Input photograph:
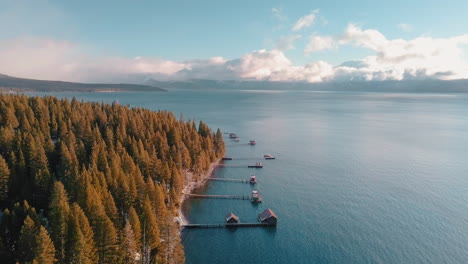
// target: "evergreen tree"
[[4, 180], [45, 250], [27, 241], [219, 144], [129, 246], [151, 234], [87, 235], [136, 225], [59, 211]]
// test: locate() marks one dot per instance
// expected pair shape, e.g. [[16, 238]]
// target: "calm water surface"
[[359, 177]]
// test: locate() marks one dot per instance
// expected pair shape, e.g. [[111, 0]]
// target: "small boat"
[[252, 179], [226, 158], [257, 165], [232, 135], [256, 197], [268, 157], [236, 140], [252, 142]]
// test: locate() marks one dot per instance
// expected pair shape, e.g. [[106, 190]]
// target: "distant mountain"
[[8, 83], [412, 86]]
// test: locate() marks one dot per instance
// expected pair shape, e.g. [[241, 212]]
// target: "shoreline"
[[189, 186]]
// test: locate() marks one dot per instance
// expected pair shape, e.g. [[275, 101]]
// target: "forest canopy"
[[84, 182]]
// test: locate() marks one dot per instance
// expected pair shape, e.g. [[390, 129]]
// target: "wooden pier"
[[227, 225], [206, 196], [233, 166], [257, 166], [243, 158], [229, 180]]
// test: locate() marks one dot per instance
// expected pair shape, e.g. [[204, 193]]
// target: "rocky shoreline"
[[189, 187]]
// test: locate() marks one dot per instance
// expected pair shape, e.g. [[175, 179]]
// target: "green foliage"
[[4, 179], [105, 180], [27, 241], [45, 251], [59, 213]]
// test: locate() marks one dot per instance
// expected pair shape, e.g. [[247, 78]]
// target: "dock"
[[257, 165], [227, 225], [206, 196], [229, 180], [238, 166], [249, 158]]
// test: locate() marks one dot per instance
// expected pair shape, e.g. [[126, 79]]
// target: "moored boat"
[[253, 179], [257, 165], [256, 197]]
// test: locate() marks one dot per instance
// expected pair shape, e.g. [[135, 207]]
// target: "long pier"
[[227, 225], [245, 158], [228, 180], [206, 196], [239, 166], [233, 165]]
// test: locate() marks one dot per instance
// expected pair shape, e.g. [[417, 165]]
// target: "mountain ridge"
[[10, 83]]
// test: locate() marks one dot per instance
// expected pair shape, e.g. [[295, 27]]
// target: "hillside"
[[9, 83], [94, 183]]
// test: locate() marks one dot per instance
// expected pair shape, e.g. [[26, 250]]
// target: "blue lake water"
[[359, 177]]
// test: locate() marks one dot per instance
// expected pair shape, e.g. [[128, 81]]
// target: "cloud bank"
[[397, 59], [392, 59]]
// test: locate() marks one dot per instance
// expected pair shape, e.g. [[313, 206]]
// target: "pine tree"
[[106, 240], [150, 230], [27, 241], [45, 250], [4, 180], [136, 225], [171, 249], [58, 217], [129, 246], [105, 234], [89, 248], [219, 144]]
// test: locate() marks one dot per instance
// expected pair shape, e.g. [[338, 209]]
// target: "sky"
[[307, 41]]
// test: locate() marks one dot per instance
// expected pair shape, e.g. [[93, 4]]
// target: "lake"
[[359, 177]]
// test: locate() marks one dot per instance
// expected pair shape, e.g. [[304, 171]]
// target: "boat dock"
[[266, 157], [265, 219], [240, 166], [206, 196], [229, 180], [227, 225]]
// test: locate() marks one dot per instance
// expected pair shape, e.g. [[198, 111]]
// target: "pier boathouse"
[[268, 217]]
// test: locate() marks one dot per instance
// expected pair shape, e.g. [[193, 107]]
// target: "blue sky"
[[181, 31]]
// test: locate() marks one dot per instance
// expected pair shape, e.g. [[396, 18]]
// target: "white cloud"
[[43, 58], [287, 42], [275, 66], [398, 59], [318, 43], [369, 38], [305, 21], [405, 27]]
